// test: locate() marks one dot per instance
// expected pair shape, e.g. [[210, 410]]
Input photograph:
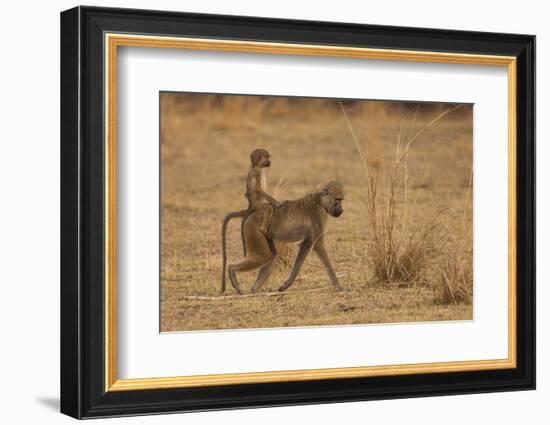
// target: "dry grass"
[[400, 251], [455, 279], [205, 143]]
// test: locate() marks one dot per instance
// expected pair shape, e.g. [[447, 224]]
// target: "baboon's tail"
[[226, 220]]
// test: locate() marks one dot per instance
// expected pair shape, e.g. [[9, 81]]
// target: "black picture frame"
[[83, 392]]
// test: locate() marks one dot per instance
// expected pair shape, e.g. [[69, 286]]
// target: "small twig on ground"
[[259, 294]]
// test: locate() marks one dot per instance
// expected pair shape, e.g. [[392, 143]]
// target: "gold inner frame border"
[[113, 40]]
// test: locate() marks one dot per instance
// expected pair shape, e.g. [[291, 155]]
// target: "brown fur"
[[259, 200], [301, 221]]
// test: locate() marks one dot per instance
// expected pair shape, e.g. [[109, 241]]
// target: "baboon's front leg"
[[303, 252], [320, 250]]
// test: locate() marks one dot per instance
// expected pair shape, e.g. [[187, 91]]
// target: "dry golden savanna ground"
[[402, 248]]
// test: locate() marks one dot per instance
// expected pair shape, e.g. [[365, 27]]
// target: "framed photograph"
[[260, 212]]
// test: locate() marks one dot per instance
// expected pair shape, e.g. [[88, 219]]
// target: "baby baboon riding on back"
[[258, 199]]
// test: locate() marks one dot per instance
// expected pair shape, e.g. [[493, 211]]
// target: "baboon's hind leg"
[[248, 264], [265, 269]]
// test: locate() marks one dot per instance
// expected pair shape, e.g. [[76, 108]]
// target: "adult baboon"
[[301, 221]]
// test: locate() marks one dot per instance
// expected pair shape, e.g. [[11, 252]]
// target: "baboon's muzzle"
[[336, 210]]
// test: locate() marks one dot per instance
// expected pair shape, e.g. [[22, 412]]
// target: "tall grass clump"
[[404, 239], [398, 251], [454, 280]]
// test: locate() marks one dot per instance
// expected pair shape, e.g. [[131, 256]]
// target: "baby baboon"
[[258, 199]]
